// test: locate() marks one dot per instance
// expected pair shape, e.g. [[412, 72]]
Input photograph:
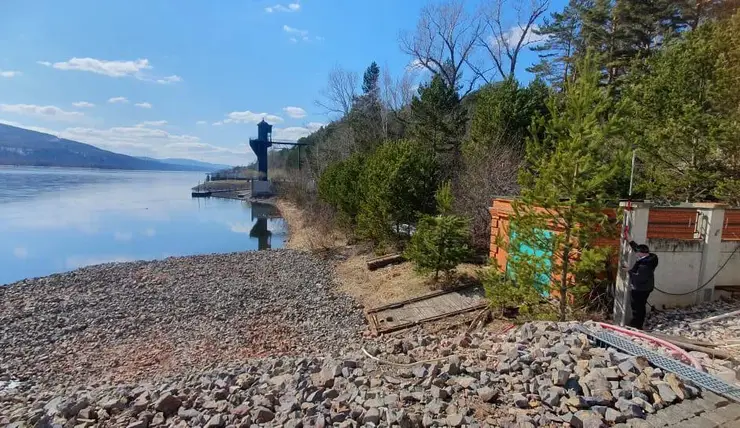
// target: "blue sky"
[[186, 78]]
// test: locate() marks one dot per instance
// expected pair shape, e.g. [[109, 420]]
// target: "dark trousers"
[[638, 300]]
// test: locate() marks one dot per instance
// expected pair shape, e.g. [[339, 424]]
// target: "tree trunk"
[[564, 277]]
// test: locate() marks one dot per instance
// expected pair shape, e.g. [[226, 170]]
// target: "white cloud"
[[415, 64], [104, 67], [117, 100], [292, 30], [513, 35], [169, 79], [248, 117], [154, 123], [83, 104], [293, 133], [9, 73], [143, 105], [118, 68], [295, 112], [122, 236], [20, 252], [46, 112], [297, 35], [201, 122], [291, 7]]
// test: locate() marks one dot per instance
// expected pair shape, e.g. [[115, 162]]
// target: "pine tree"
[[370, 80], [683, 115], [438, 121], [558, 50], [440, 242], [564, 187], [397, 186], [365, 116]]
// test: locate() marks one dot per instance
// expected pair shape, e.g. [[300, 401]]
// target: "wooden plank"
[[434, 318], [416, 299]]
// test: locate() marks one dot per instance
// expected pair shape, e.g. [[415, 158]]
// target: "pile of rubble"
[[542, 374]]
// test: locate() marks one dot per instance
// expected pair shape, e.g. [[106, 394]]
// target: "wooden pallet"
[[429, 307]]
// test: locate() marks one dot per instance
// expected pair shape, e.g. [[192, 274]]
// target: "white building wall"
[[730, 275], [679, 265]]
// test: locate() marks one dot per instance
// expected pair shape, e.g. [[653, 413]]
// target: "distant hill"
[[24, 147], [205, 166]]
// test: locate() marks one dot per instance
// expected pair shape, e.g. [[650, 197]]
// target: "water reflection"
[[54, 220]]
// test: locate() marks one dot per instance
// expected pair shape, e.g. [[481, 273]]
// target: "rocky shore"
[[264, 339], [142, 320]]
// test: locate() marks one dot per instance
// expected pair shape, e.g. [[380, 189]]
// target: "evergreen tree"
[[564, 188], [370, 80], [397, 187], [365, 115], [440, 242], [503, 112], [339, 187], [683, 115], [438, 122], [558, 50]]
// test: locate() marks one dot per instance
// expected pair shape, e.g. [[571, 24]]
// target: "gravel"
[[262, 339], [140, 320], [485, 379]]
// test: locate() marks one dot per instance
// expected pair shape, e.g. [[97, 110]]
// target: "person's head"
[[642, 250]]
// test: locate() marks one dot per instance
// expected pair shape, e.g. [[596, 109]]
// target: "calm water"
[[58, 219]]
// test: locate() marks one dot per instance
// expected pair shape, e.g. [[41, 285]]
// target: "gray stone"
[[560, 377], [520, 401], [262, 415], [216, 421], [455, 420], [188, 414], [587, 419], [666, 392], [465, 381], [438, 392], [552, 398], [371, 416], [427, 420], [137, 424], [167, 404], [486, 394]]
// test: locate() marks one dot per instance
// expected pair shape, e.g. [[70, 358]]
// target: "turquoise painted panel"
[[543, 279]]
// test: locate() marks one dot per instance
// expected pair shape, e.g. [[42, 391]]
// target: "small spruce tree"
[[574, 158], [440, 242]]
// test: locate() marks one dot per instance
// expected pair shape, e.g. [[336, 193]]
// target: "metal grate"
[[701, 379]]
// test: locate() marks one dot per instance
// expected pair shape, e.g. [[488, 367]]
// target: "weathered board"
[[430, 307]]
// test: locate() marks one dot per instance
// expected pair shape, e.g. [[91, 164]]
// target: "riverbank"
[[370, 288], [125, 322]]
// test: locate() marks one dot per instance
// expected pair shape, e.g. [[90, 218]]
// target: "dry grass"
[[370, 288], [309, 233]]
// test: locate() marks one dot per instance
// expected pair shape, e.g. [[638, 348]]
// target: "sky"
[[187, 78]]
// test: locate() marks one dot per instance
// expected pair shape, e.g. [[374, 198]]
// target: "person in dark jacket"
[[642, 282]]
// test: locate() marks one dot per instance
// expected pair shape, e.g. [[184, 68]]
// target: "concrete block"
[[714, 399], [731, 412]]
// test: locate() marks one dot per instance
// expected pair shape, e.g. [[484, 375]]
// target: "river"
[[59, 219]]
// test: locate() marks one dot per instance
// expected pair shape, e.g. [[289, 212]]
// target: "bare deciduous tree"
[[340, 91], [444, 41], [503, 39], [487, 174]]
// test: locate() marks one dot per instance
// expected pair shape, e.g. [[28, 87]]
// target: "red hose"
[[694, 362]]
